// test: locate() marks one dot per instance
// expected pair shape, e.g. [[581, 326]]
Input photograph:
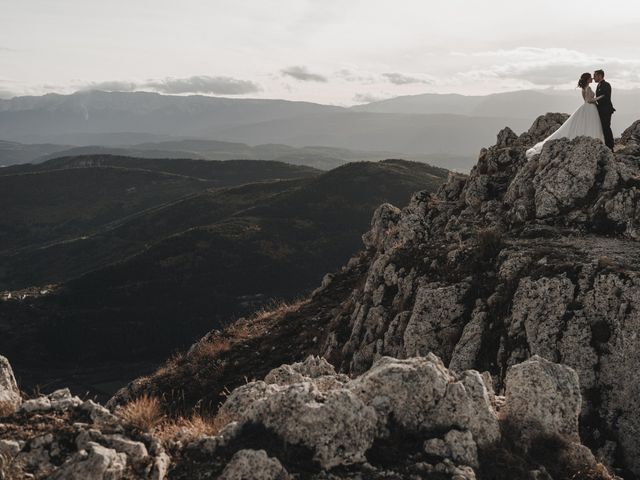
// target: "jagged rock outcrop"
[[410, 418], [59, 436], [542, 398], [10, 398], [520, 258]]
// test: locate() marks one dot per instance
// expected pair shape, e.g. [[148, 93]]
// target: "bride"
[[584, 121]]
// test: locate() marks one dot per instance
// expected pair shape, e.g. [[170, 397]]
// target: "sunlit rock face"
[[423, 418]]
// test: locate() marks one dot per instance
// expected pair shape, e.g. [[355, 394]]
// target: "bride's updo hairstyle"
[[584, 80]]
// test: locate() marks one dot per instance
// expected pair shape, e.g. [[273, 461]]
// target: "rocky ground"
[[410, 418], [526, 271]]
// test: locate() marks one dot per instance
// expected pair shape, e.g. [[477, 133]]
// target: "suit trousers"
[[605, 119]]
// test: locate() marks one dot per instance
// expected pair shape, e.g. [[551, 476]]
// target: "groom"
[[605, 107]]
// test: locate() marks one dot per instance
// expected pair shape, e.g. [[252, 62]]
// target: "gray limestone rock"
[[463, 448], [383, 226], [632, 134], [313, 367], [336, 425], [96, 463], [10, 448], [10, 398], [63, 400], [437, 319], [40, 404], [542, 398], [254, 464], [135, 451]]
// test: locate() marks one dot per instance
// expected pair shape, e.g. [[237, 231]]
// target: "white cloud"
[[367, 98], [303, 74], [401, 79], [355, 76], [547, 67], [204, 84], [196, 84], [111, 86]]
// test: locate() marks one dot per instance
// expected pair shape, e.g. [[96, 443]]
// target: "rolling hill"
[[135, 291], [73, 197]]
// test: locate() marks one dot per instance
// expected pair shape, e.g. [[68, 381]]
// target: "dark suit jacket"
[[604, 104]]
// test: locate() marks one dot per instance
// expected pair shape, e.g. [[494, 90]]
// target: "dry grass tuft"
[[222, 341], [189, 429], [274, 310], [143, 413], [599, 472], [488, 243]]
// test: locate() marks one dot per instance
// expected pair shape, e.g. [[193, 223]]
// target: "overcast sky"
[[330, 51]]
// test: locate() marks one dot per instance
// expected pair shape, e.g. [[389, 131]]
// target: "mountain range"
[[450, 129], [323, 158]]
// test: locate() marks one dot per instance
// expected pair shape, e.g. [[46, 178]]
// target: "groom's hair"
[[599, 72]]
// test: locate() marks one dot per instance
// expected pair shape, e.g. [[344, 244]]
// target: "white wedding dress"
[[584, 121]]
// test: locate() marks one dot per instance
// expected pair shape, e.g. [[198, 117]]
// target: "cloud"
[[550, 66], [303, 74], [351, 76], [6, 94], [204, 84], [112, 86], [400, 79], [197, 84], [367, 98]]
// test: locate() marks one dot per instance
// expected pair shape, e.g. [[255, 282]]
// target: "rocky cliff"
[[521, 258], [527, 271]]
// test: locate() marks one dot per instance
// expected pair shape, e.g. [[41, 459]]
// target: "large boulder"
[[632, 134], [254, 464], [542, 399], [10, 398], [559, 180], [419, 394], [336, 425]]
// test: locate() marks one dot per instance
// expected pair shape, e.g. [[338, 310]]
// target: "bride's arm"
[[588, 95]]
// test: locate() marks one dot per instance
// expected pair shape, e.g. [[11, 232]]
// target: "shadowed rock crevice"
[[200, 460]]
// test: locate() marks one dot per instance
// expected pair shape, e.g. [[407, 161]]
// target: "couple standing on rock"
[[591, 119]]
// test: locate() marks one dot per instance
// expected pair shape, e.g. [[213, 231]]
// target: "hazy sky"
[[330, 51]]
